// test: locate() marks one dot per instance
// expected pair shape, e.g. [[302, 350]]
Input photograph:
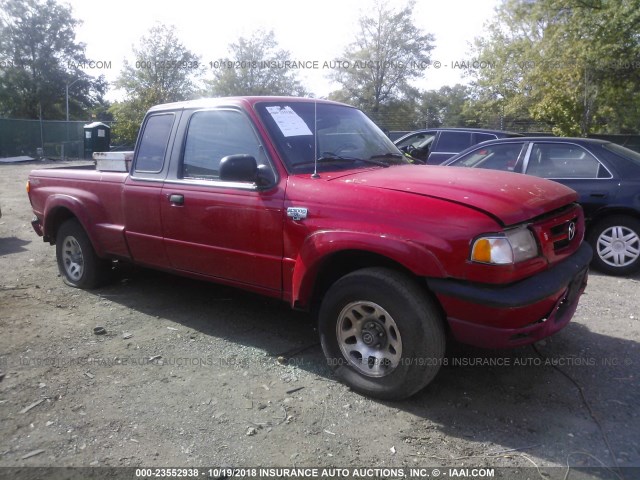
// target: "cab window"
[[213, 135], [153, 144]]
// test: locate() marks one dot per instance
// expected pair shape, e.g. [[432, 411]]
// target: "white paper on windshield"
[[289, 122]]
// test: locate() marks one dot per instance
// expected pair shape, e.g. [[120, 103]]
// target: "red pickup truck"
[[308, 201]]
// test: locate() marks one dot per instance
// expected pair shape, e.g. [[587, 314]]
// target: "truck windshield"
[[344, 137]]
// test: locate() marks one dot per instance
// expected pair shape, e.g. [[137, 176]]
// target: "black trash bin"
[[97, 138]]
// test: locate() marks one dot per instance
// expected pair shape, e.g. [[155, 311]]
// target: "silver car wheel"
[[369, 338], [72, 258], [618, 246]]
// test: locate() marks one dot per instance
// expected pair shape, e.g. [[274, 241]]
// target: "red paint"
[[423, 219]]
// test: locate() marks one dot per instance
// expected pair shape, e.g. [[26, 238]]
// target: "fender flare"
[[321, 245], [78, 210]]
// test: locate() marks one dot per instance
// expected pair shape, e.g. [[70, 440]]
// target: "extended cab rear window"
[[153, 144]]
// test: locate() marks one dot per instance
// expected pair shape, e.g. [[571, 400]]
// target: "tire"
[[78, 263], [383, 316], [616, 245]]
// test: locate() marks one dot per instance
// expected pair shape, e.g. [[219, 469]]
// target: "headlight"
[[512, 246]]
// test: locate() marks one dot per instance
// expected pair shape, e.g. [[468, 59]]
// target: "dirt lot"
[[194, 374]]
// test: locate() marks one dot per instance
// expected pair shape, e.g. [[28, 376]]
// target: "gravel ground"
[[195, 374]]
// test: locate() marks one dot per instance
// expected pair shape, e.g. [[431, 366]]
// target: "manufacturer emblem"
[[572, 230], [297, 213], [367, 338]]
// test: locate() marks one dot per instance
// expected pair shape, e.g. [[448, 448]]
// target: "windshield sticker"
[[289, 122]]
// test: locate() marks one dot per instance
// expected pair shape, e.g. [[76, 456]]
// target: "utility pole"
[[67, 105], [67, 95]]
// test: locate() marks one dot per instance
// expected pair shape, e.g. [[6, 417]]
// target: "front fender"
[[320, 246]]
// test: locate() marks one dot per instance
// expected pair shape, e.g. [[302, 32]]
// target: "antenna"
[[315, 140]]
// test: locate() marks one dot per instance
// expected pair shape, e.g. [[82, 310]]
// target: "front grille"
[[554, 232], [561, 235]]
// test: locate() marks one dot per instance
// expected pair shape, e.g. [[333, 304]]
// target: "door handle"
[[176, 199], [598, 195]]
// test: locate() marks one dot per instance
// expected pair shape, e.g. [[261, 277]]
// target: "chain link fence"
[[56, 139]]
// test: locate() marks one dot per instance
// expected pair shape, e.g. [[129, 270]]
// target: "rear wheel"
[[381, 333], [616, 245], [78, 263]]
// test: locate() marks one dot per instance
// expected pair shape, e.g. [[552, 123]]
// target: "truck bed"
[[94, 196]]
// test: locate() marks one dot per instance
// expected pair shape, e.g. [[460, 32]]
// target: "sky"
[[310, 31]]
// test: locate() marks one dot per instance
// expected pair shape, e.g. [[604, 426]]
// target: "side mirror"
[[265, 176], [238, 168], [244, 168]]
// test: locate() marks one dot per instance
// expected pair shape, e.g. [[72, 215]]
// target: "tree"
[[386, 55], [257, 66], [569, 63], [445, 107], [398, 115], [164, 71], [40, 57]]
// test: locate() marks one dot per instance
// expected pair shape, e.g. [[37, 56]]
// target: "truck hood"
[[511, 198]]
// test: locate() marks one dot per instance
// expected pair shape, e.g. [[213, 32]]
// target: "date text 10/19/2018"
[[271, 472]]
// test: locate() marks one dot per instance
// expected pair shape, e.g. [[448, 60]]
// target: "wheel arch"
[[54, 218], [605, 213], [341, 263], [61, 208], [328, 256]]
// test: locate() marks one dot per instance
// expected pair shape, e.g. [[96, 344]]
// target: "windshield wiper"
[[330, 156], [387, 155], [326, 157]]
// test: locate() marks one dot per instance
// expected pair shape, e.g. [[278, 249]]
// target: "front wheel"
[[78, 263], [381, 333], [616, 245]]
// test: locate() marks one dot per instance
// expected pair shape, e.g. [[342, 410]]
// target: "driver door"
[[226, 230]]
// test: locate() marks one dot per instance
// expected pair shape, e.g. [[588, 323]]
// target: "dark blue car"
[[605, 175], [436, 145]]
